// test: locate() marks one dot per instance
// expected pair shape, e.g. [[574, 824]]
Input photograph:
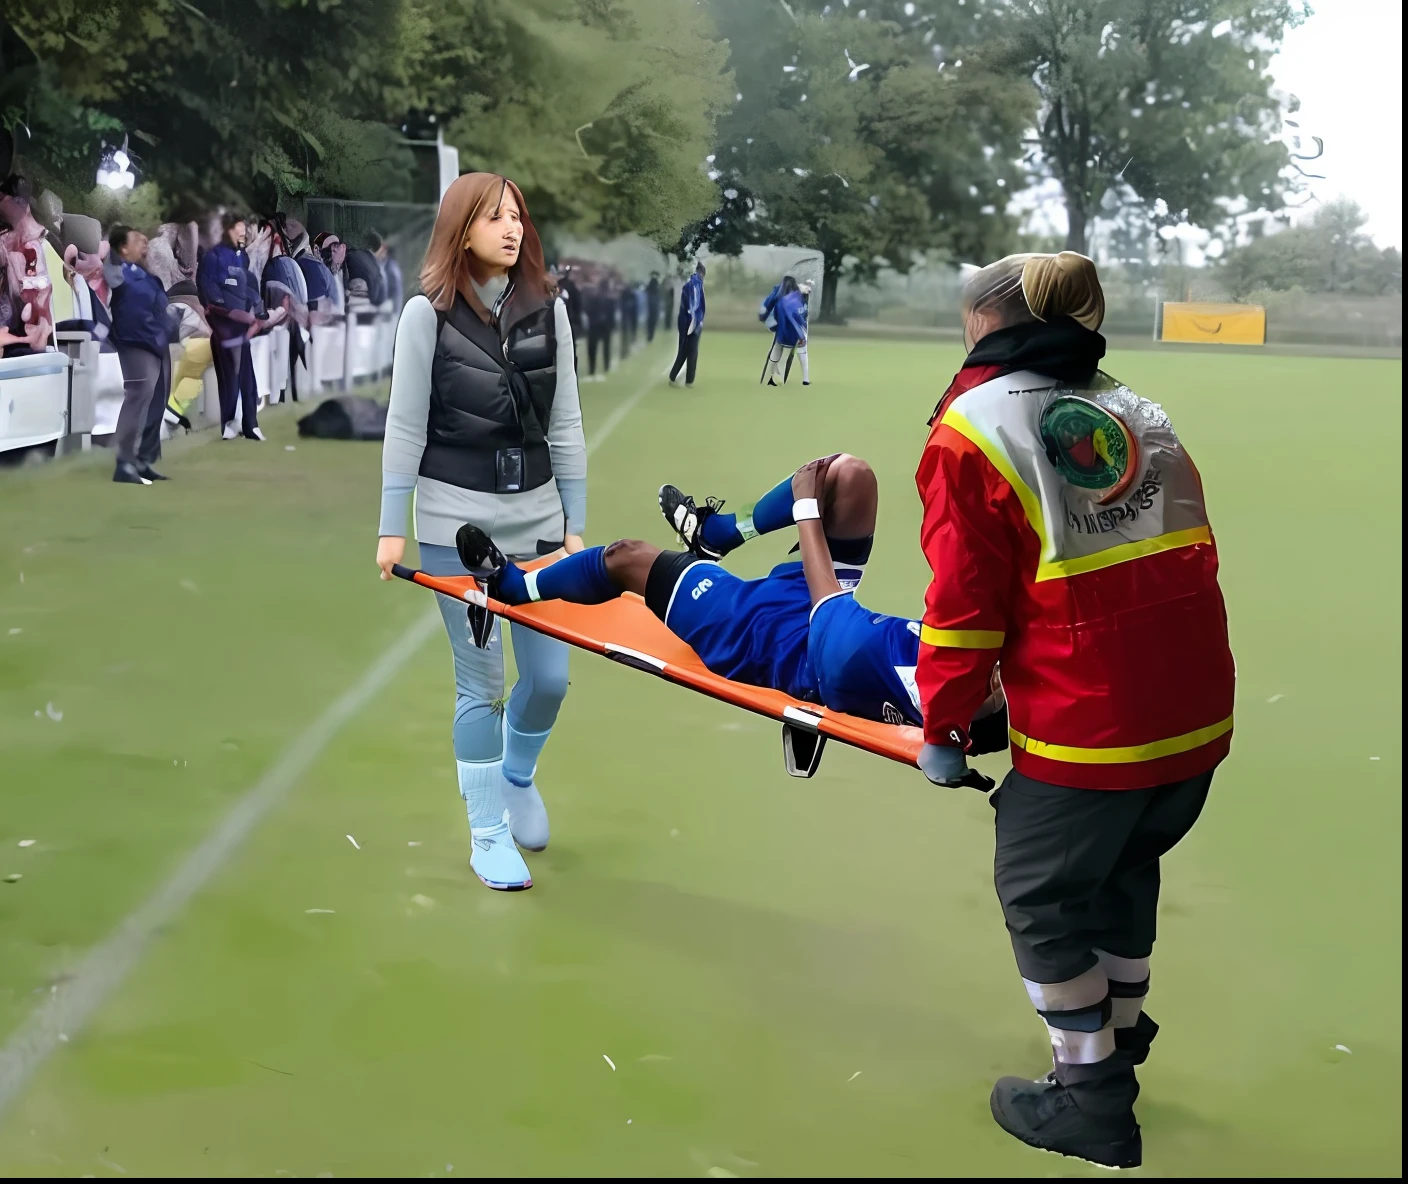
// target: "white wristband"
[[805, 509]]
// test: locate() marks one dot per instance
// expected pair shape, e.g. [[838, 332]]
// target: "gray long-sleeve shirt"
[[517, 522]]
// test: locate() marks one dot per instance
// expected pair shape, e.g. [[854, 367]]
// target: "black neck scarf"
[[1059, 348]]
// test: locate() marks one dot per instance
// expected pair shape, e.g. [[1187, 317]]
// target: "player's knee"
[[624, 550], [624, 554], [851, 487], [851, 474]]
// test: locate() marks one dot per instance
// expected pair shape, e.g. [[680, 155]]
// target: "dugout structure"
[[1206, 323]]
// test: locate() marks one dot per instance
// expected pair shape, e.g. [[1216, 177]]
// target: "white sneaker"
[[526, 815], [229, 432], [495, 859], [255, 434]]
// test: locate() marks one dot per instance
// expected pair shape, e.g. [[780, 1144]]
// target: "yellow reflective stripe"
[[1031, 504], [1048, 568], [962, 639], [1061, 568], [1122, 756]]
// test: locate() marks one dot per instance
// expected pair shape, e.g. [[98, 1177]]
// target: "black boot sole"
[[1119, 1154]]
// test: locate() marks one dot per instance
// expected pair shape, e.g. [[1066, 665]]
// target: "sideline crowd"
[[172, 305]]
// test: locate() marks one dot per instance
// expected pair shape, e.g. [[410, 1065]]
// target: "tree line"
[[875, 130]]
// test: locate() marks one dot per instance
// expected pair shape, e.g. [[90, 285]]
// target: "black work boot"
[[1133, 1043], [1087, 1112]]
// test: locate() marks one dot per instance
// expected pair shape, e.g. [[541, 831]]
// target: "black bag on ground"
[[349, 417]]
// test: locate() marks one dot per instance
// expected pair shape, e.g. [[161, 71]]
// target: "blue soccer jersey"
[[766, 633]]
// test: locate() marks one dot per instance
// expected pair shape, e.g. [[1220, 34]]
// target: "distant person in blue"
[[390, 270], [235, 312], [142, 331], [630, 318], [691, 326], [652, 306], [798, 630], [317, 278], [784, 310]]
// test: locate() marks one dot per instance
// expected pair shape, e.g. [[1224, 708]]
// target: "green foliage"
[[600, 110], [223, 102], [872, 169], [1329, 253], [1171, 97], [144, 207]]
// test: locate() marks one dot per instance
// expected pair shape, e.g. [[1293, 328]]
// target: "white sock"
[[802, 358], [775, 361], [482, 790]]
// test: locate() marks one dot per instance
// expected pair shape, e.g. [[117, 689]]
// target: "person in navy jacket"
[[235, 312], [141, 331], [690, 325]]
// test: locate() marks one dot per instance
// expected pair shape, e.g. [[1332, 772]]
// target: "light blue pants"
[[479, 674]]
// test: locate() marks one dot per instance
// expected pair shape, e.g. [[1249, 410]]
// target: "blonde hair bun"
[[1063, 285]]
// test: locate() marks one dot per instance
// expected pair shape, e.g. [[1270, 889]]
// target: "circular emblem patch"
[[1089, 447]]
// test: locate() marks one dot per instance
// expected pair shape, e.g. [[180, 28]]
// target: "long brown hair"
[[445, 271]]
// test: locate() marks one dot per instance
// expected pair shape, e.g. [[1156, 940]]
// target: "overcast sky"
[[1346, 65]]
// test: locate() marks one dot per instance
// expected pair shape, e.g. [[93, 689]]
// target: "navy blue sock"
[[720, 533], [512, 589], [580, 578]]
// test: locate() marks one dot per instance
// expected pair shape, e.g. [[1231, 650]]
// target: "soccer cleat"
[[480, 556], [687, 520], [151, 474], [1089, 1116], [229, 431], [496, 860], [254, 434]]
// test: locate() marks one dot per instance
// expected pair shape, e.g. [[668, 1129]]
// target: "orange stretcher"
[[627, 632]]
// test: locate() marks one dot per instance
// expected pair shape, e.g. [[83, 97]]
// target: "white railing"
[[73, 393]]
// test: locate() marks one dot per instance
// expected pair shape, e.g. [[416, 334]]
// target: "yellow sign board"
[[1220, 324]]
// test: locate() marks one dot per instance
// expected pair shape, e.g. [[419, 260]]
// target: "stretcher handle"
[[402, 572]]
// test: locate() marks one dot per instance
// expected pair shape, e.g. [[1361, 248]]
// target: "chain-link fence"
[[405, 227]]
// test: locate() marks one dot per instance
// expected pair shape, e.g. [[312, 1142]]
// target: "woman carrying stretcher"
[[799, 630]]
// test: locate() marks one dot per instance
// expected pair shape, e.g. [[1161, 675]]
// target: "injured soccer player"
[[799, 630]]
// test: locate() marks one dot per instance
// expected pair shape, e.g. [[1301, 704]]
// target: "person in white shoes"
[[236, 314], [485, 426]]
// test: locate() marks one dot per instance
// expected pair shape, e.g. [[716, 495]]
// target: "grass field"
[[791, 978]]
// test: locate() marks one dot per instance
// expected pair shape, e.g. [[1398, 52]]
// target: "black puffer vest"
[[487, 394]]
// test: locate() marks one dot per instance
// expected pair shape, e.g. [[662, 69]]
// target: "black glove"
[[949, 767], [989, 734]]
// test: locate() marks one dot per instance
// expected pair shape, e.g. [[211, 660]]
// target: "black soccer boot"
[[481, 557], [687, 520], [151, 474], [1086, 1113]]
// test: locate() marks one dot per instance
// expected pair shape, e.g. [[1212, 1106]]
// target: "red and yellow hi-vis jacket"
[[1069, 538]]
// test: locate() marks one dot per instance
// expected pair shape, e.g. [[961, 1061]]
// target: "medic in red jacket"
[[1066, 528]]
